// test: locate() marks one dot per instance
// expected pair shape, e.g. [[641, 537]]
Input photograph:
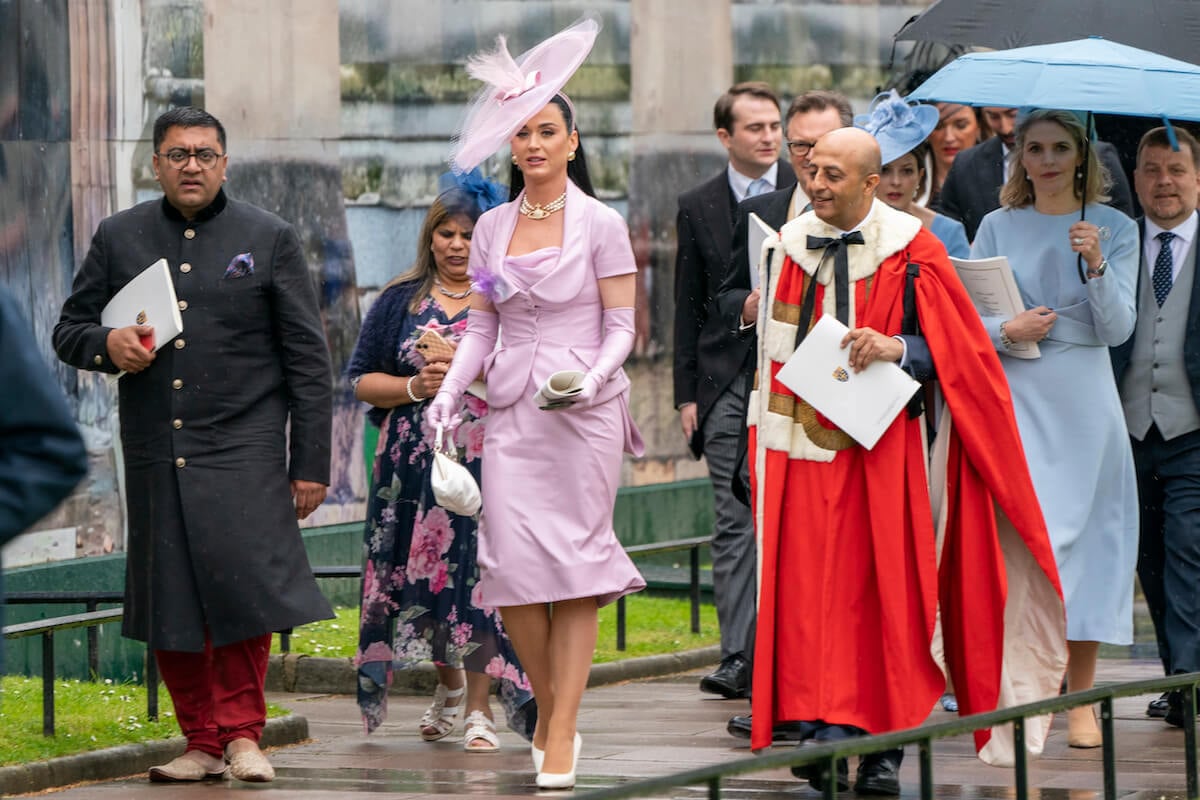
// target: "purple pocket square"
[[241, 266]]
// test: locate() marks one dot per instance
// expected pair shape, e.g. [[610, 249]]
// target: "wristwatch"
[[1099, 270]]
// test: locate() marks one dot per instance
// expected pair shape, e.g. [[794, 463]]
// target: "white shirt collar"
[[740, 183], [1184, 231]]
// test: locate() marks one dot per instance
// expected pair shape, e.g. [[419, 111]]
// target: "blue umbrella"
[[1088, 75], [1094, 74]]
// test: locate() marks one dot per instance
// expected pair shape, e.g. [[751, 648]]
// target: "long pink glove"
[[617, 344], [473, 348]]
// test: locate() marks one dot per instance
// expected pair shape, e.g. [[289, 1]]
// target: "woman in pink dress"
[[553, 269]]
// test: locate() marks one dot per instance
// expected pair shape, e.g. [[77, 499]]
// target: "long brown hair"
[[448, 205], [1018, 189]]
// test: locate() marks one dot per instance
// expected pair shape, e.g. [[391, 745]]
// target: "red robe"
[[850, 582]]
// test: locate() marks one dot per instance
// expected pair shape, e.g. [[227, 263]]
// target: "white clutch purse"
[[559, 390], [454, 488]]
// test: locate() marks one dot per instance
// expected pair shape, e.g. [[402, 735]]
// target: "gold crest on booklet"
[[840, 375], [141, 318]]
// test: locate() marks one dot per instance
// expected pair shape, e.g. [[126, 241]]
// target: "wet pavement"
[[650, 728]]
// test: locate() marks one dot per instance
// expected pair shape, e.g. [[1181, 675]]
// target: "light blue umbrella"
[[1091, 75], [1094, 74]]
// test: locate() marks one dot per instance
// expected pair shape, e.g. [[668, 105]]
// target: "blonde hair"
[[1017, 191]]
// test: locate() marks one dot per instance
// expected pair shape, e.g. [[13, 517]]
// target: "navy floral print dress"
[[420, 600]]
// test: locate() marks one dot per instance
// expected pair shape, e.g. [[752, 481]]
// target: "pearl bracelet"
[[408, 388]]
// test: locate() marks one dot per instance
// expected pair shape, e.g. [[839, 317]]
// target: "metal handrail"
[[92, 618], [827, 754]]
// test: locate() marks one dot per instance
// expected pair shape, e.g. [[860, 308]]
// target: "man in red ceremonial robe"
[[856, 562]]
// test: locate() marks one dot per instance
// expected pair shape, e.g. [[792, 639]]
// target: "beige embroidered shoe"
[[247, 762], [193, 765]]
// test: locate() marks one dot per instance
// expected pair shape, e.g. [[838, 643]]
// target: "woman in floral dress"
[[420, 599]]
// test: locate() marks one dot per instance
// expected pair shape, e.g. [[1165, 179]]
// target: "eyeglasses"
[[178, 158], [799, 148]]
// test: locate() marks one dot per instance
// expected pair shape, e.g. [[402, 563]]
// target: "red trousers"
[[218, 694]]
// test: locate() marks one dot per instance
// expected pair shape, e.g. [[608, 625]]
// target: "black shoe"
[[731, 680], [1174, 715], [739, 728], [1158, 708], [815, 773], [879, 774]]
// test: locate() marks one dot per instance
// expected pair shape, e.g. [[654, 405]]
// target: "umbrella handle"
[[1087, 152]]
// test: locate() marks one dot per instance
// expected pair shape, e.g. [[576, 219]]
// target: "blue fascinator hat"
[[896, 124], [471, 191]]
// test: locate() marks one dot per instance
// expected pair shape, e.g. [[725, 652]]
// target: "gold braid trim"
[[801, 412]]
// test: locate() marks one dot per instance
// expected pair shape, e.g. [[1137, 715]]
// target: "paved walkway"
[[649, 728]]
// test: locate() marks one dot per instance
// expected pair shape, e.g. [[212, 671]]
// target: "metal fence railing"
[[827, 754], [46, 628]]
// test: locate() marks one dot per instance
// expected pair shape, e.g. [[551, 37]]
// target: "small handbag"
[[454, 488]]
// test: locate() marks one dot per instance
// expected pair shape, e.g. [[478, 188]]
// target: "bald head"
[[845, 166], [857, 146]]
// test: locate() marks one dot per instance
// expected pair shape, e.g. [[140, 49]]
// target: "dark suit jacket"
[[772, 208], [707, 355], [972, 187], [1191, 340]]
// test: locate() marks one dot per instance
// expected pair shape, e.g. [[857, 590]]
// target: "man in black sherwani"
[[215, 479]]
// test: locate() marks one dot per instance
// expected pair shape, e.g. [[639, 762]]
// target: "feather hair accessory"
[[498, 69]]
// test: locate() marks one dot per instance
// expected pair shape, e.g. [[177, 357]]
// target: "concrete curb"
[[317, 675], [129, 759]]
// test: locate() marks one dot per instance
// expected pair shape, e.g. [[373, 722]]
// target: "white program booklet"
[[994, 292], [863, 404], [758, 233], [148, 299]]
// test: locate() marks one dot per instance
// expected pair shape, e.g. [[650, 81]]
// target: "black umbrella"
[[1169, 27]]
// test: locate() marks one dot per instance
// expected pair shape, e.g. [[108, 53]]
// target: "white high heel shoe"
[[560, 780]]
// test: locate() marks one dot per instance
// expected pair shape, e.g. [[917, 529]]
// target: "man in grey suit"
[[708, 358], [972, 186], [1158, 375]]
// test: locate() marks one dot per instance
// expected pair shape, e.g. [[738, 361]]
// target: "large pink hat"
[[515, 91]]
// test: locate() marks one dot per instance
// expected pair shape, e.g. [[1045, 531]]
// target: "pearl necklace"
[[455, 295], [539, 211]]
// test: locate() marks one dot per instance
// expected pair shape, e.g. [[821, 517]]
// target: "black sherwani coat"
[[707, 357], [213, 537]]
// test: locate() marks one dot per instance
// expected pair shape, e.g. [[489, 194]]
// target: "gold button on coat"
[[177, 424], [185, 267], [177, 384], [189, 234], [180, 344], [180, 462], [183, 305], [98, 360]]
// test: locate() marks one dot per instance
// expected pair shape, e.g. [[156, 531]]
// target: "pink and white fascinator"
[[517, 89]]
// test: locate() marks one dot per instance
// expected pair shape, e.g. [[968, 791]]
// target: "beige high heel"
[[1082, 729]]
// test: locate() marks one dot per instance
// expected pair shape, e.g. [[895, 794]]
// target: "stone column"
[[271, 75], [681, 60]]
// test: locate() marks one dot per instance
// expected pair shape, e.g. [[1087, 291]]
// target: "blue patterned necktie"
[[758, 186], [1164, 266]]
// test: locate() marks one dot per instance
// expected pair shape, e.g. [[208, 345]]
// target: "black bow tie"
[[841, 267]]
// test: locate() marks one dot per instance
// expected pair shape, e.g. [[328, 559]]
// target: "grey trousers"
[[734, 552]]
